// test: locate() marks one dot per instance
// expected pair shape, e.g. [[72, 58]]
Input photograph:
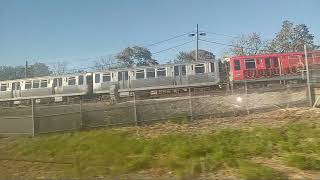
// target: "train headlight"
[[239, 99]]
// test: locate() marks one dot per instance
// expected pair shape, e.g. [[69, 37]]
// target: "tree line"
[[291, 38], [18, 72]]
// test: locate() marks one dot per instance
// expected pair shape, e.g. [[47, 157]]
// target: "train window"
[[27, 85], [119, 76], [267, 63], [4, 87], [237, 65], [15, 86], [60, 82], [183, 70], [250, 63], [106, 77], [126, 75], [55, 83], [212, 67], [275, 62], [176, 71], [199, 68], [151, 73], [71, 81], [44, 83], [140, 74], [97, 78], [36, 84], [161, 72], [80, 80]]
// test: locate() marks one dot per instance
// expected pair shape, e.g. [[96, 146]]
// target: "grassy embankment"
[[111, 153]]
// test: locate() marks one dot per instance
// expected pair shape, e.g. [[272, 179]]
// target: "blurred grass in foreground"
[[111, 153]]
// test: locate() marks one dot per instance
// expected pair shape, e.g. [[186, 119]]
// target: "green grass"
[[252, 171], [112, 153], [303, 162]]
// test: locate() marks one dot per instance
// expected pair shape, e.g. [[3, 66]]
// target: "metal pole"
[[247, 101], [81, 115], [26, 70], [308, 78], [33, 109], [190, 105], [197, 36], [135, 109]]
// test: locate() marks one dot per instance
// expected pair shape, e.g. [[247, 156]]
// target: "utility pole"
[[308, 76], [197, 36], [26, 70]]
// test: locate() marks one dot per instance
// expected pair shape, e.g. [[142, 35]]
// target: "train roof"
[[44, 77], [155, 66], [107, 70], [273, 54]]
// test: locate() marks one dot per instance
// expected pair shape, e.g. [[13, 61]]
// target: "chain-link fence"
[[195, 103]]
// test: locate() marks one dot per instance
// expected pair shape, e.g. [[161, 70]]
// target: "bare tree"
[[249, 44], [104, 62], [59, 68]]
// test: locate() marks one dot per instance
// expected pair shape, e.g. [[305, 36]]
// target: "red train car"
[[271, 66]]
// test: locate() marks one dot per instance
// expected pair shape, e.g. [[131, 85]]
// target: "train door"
[[57, 86], [179, 73], [237, 72], [16, 89], [123, 79], [89, 82]]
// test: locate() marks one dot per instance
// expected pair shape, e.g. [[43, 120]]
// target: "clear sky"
[[74, 30]]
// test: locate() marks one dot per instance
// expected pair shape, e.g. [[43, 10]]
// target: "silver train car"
[[40, 87], [157, 77], [126, 80]]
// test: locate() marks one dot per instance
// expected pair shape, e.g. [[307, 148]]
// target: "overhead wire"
[[225, 35], [173, 47], [97, 58], [213, 42], [169, 39]]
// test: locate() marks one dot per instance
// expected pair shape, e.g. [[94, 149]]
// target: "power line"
[[93, 59], [213, 42], [231, 36], [169, 39], [172, 47]]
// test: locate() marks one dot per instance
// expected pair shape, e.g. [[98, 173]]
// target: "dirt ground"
[[9, 168]]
